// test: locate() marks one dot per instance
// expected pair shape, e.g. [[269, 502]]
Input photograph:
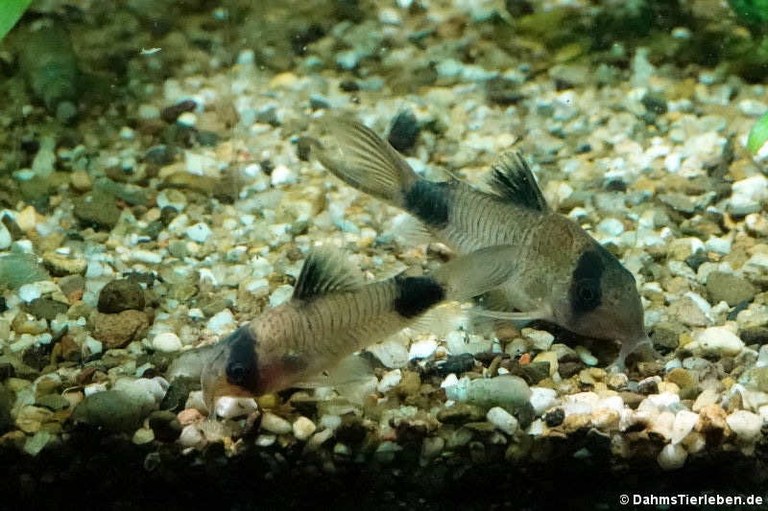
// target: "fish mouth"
[[213, 379]]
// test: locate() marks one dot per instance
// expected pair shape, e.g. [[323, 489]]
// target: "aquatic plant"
[[758, 135], [753, 13], [10, 12]]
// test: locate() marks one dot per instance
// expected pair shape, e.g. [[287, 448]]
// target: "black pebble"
[[654, 104], [404, 131], [349, 86], [267, 166], [303, 148], [504, 92], [302, 38], [696, 259], [120, 295], [457, 364], [171, 113], [160, 154], [554, 417], [616, 185]]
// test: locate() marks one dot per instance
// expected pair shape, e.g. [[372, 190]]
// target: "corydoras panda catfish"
[[559, 273], [331, 315]]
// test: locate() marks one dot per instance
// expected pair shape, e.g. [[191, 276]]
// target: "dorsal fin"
[[512, 179], [326, 271]]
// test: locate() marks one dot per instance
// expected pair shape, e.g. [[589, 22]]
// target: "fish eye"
[[236, 373], [588, 292]]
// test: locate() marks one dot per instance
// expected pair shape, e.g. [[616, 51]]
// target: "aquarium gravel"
[[181, 198]]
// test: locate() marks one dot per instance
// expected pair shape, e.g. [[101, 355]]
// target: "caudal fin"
[[477, 272], [363, 160]]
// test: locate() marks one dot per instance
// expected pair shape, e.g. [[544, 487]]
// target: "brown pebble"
[[85, 376], [171, 113], [712, 424], [120, 295], [632, 399], [117, 330], [460, 413], [409, 384], [189, 416]]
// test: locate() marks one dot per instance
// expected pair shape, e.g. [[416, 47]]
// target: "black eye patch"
[[242, 367], [585, 292]]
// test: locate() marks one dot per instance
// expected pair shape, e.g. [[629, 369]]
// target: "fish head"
[[233, 368], [602, 299]]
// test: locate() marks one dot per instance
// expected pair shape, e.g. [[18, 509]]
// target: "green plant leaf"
[[10, 12], [758, 135]]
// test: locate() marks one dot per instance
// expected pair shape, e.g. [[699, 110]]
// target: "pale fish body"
[[331, 315], [559, 273]]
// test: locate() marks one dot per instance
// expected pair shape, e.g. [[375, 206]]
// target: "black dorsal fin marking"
[[326, 271], [512, 179]]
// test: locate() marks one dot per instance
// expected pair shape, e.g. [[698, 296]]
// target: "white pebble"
[[282, 175], [191, 436], [422, 349], [330, 422], [166, 342], [127, 133], [746, 425], [449, 381], [145, 256], [752, 108], [148, 112], [147, 391], [29, 292], [94, 346], [319, 439], [661, 401], [719, 245], [232, 407], [762, 356], [672, 457], [391, 353], [222, 321], [274, 424], [718, 340], [199, 232], [260, 267], [280, 295], [5, 237], [684, 423], [610, 227], [389, 17], [540, 340], [143, 436], [708, 396], [747, 194], [542, 399], [265, 440], [188, 119], [586, 356], [303, 428], [502, 420], [389, 380], [171, 198]]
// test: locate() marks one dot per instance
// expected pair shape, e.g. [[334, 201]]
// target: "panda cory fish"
[[559, 273], [334, 313]]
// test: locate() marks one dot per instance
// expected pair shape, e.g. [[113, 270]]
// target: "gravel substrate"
[[149, 209]]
